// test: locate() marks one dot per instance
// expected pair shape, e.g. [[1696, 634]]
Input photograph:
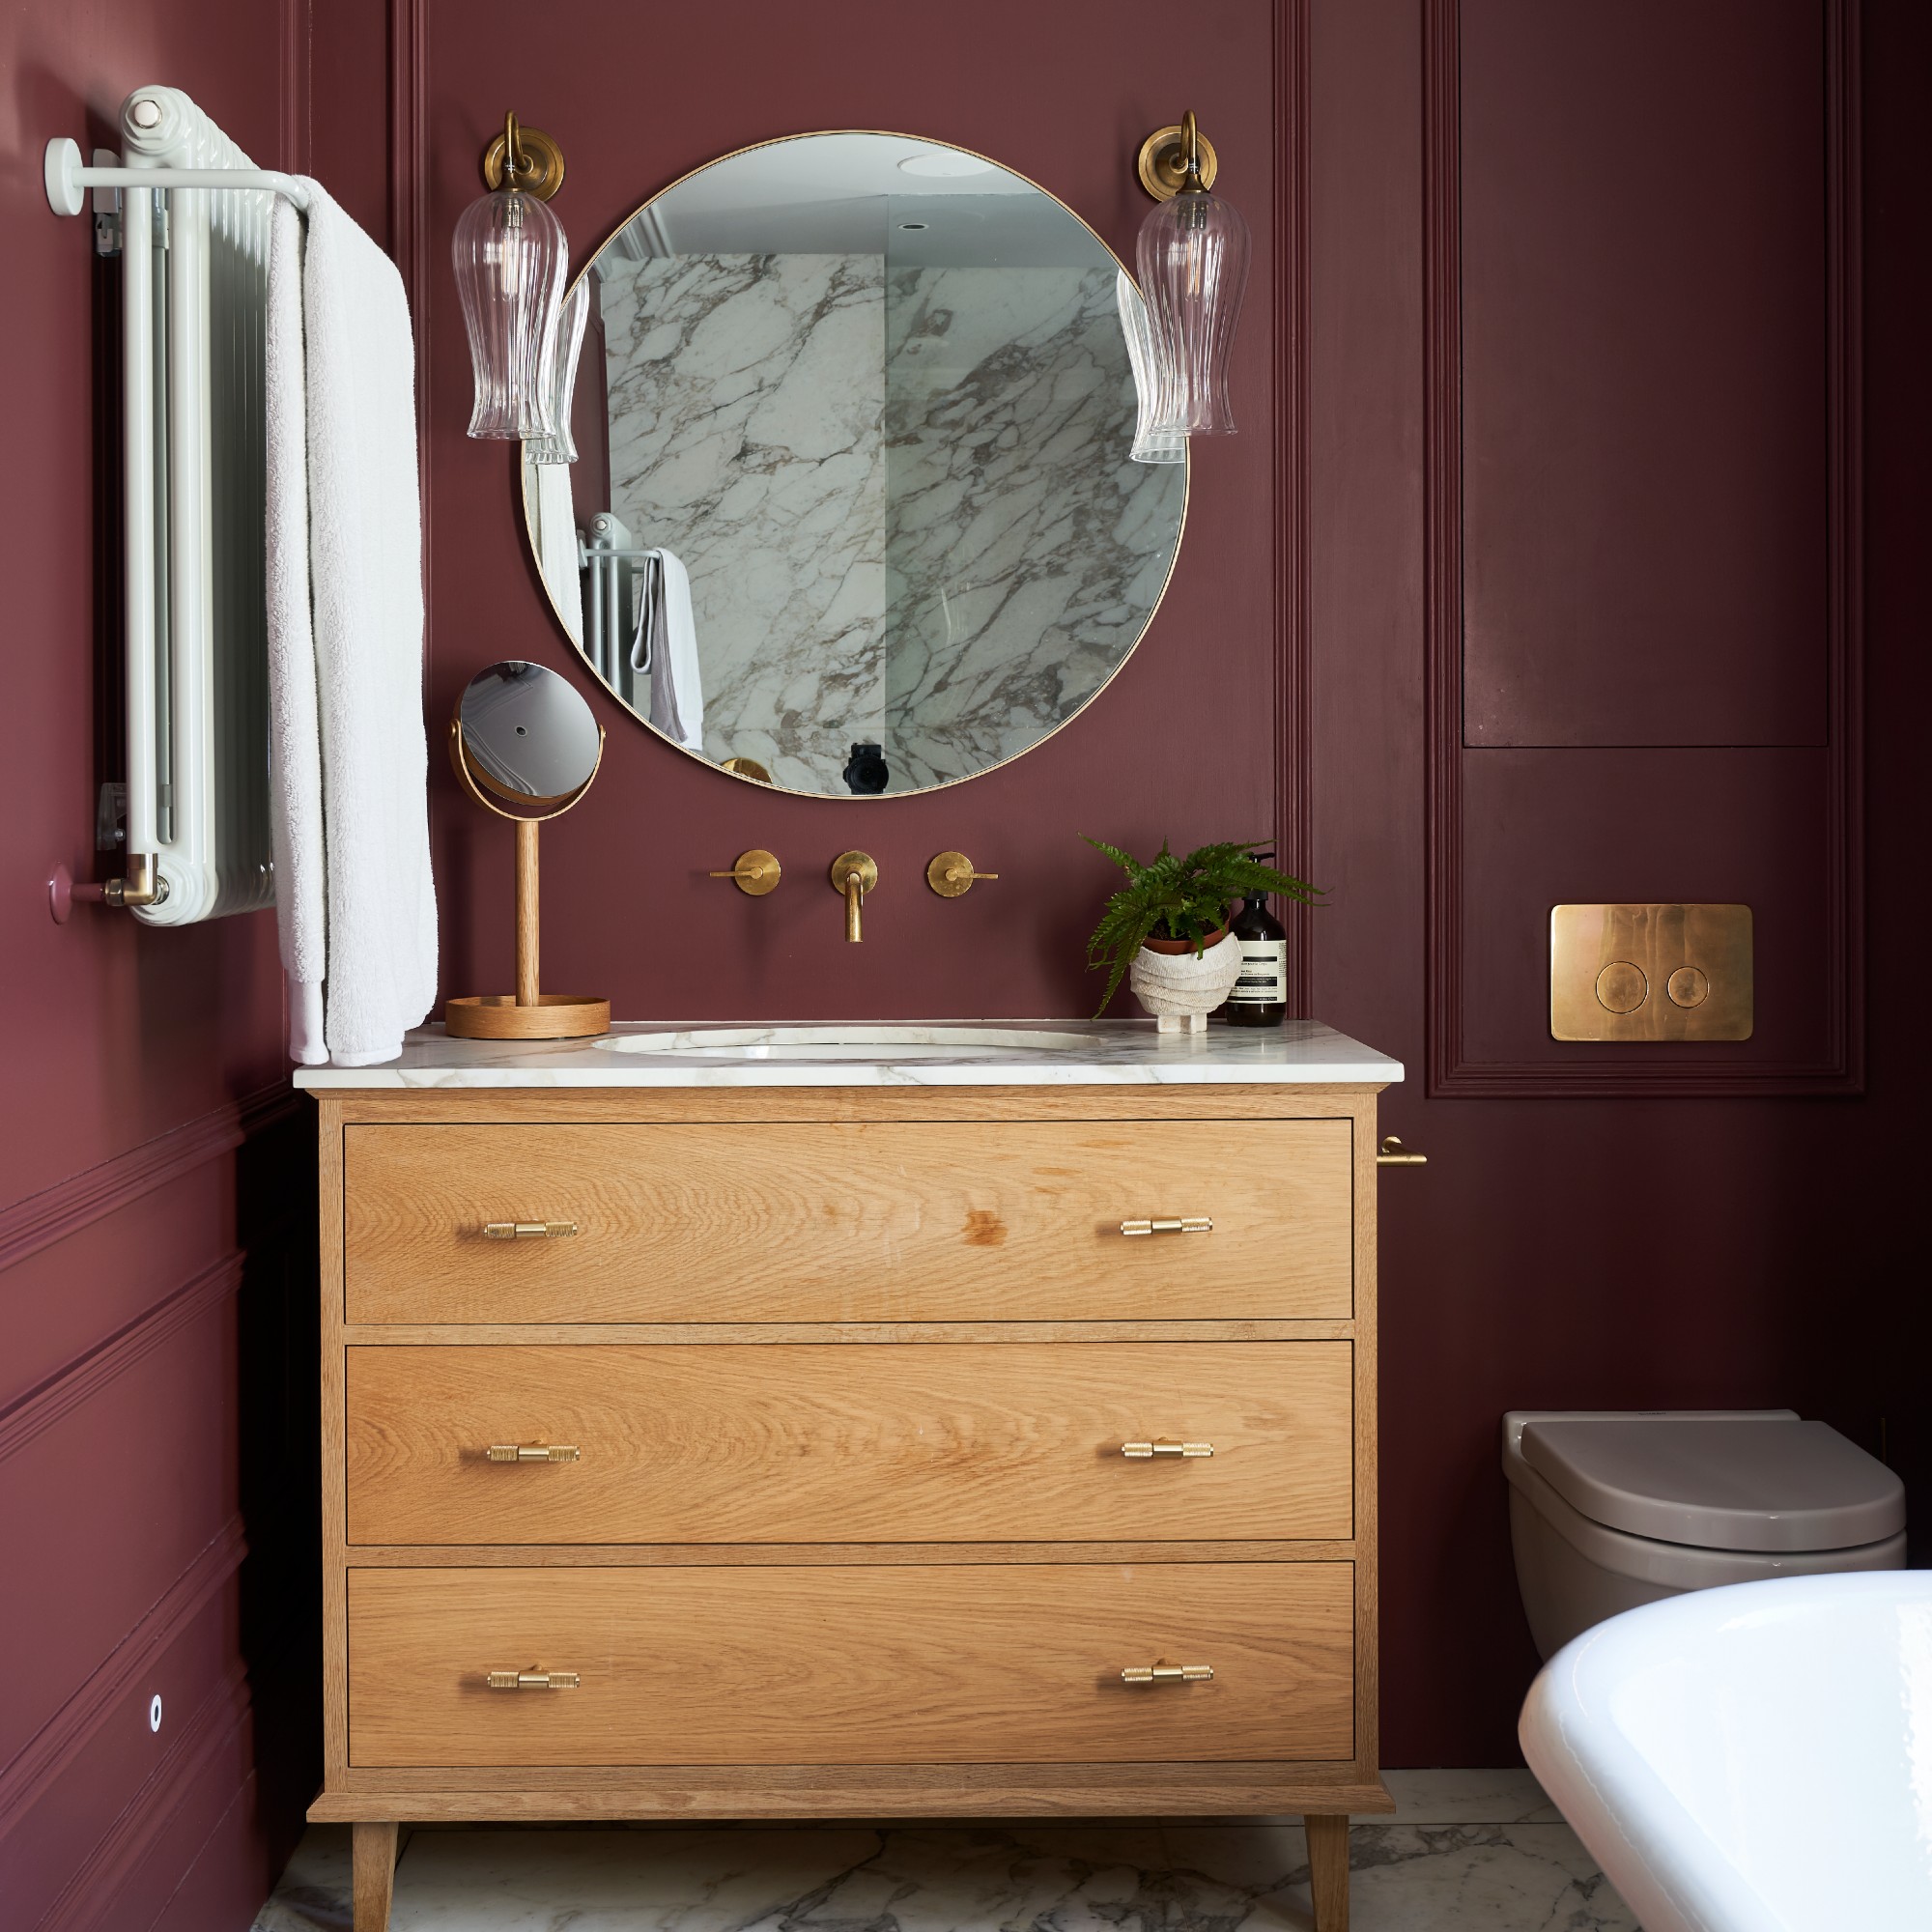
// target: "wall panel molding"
[[1294, 815], [296, 143], [93, 1896], [1452, 1070], [64, 1736], [410, 225], [41, 1219], [80, 1380]]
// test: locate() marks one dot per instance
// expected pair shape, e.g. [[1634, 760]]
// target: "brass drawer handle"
[[526, 1231], [1187, 1224], [1164, 1445], [531, 1451], [1168, 1673], [533, 1680]]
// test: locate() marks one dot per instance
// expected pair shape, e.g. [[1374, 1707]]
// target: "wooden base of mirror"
[[500, 1017]]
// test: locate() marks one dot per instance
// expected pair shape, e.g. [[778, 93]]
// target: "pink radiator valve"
[[62, 893]]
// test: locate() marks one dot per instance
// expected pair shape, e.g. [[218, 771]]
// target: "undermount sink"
[[852, 1043]]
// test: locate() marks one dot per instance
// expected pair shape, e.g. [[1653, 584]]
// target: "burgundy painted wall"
[[153, 1182], [1603, 1252], [1611, 1251], [1621, 1251], [1186, 745]]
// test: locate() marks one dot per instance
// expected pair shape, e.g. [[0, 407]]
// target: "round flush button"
[[1621, 987], [1688, 987]]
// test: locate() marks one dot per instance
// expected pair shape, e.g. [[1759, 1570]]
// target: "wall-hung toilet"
[[1609, 1509]]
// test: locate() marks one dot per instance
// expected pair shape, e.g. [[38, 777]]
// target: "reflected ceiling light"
[[1194, 252], [511, 261], [944, 162]]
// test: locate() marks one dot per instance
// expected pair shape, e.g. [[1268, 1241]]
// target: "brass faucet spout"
[[854, 874]]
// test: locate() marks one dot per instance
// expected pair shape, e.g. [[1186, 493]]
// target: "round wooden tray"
[[555, 1016]]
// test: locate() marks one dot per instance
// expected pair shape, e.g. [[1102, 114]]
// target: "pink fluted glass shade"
[[511, 259], [1194, 269]]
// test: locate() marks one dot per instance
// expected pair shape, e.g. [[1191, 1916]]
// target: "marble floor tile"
[[1508, 1876], [1469, 1798]]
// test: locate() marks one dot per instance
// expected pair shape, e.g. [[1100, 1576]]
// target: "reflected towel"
[[666, 646], [355, 902]]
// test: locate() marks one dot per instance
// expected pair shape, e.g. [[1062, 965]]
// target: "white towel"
[[665, 646], [344, 532]]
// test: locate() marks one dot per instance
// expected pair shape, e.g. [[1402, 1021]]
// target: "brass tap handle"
[[951, 875], [1162, 1672], [1164, 1445], [528, 1231], [1188, 1224], [1391, 1153], [854, 874], [533, 1680], [756, 872], [532, 1452]]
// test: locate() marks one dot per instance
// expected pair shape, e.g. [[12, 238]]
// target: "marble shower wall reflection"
[[861, 468], [1010, 412], [745, 435]]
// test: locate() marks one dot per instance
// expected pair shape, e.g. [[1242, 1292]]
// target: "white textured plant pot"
[[1180, 990]]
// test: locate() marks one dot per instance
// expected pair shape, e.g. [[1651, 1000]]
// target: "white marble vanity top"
[[1010, 1053]]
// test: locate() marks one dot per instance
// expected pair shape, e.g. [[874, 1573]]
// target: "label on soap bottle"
[[1263, 981]]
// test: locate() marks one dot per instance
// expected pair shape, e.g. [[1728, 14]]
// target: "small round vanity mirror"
[[527, 736], [849, 502], [526, 747]]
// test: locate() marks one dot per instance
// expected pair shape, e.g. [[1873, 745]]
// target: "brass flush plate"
[[1650, 973]]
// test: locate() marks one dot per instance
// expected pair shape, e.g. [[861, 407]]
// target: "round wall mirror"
[[848, 504], [528, 736]]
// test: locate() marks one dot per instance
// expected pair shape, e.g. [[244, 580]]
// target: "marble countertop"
[[1077, 1053]]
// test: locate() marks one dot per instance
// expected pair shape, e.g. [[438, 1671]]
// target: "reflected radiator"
[[194, 265]]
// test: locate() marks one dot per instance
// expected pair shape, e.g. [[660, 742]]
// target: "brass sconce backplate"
[[1650, 973], [542, 173], [1162, 163]]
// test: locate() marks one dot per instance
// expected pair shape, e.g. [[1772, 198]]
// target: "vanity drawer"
[[908, 1443], [786, 1665], [876, 1222]]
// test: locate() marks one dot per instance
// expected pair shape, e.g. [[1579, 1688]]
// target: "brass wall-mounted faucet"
[[756, 873], [951, 875], [854, 874]]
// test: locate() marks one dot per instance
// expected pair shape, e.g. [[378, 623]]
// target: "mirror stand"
[[527, 1013]]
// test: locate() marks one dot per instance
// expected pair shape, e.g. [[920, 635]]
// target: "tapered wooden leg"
[[1327, 1871], [374, 1864]]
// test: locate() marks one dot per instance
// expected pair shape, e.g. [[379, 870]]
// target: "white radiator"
[[194, 263]]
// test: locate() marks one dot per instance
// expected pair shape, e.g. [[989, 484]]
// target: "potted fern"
[[1165, 931]]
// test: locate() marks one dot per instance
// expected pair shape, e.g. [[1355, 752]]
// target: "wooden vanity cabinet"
[[833, 1452]]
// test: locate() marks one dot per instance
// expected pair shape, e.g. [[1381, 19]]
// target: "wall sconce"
[[511, 261], [1194, 269]]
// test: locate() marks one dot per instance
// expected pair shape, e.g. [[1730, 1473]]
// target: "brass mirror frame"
[[529, 1012], [771, 784]]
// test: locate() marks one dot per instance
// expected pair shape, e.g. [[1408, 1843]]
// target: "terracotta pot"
[[1174, 947]]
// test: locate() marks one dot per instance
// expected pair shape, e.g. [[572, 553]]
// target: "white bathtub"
[[1753, 1759]]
